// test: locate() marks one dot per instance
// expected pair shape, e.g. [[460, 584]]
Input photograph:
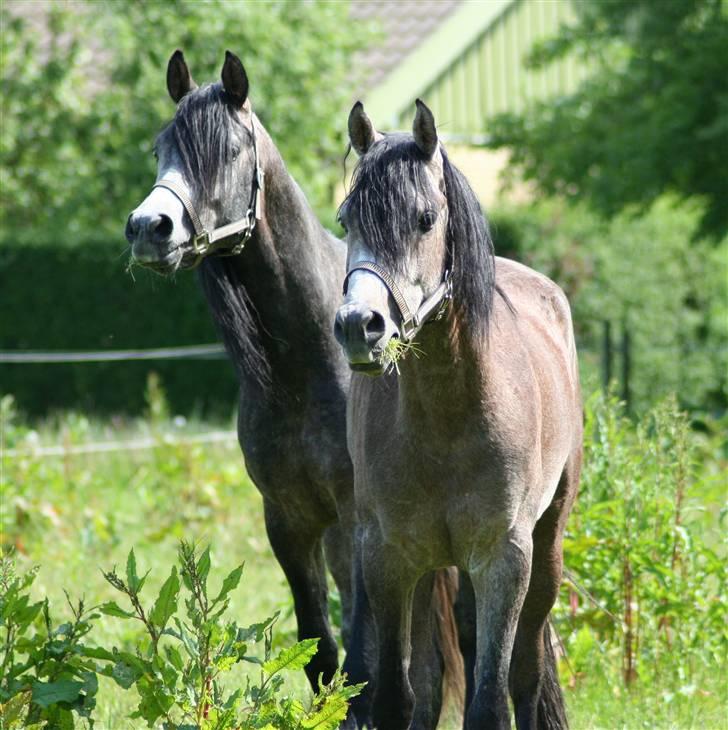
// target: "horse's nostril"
[[162, 229], [131, 229], [373, 327]]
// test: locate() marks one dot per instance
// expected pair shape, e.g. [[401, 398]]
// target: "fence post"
[[607, 353], [626, 364]]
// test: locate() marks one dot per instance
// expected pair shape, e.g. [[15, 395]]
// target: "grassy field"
[[75, 515]]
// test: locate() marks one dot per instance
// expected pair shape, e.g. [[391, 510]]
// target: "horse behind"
[[224, 202], [468, 452]]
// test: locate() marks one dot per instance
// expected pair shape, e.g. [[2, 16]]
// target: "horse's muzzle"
[[150, 237], [360, 331]]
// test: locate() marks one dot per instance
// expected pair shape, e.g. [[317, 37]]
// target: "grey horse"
[[224, 202], [468, 453]]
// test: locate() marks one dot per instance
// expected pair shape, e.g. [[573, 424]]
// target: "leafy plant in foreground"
[[178, 670], [47, 672]]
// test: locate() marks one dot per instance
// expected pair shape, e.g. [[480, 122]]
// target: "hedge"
[[63, 299]]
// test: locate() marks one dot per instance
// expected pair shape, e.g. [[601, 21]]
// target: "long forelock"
[[381, 197], [202, 131]]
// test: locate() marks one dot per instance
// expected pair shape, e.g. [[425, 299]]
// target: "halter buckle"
[[201, 243], [409, 329]]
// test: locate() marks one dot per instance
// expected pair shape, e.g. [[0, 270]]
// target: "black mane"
[[202, 130], [235, 318], [381, 200]]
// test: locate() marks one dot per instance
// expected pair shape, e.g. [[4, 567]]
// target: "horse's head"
[[396, 219], [207, 173]]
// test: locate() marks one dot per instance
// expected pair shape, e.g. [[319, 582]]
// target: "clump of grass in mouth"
[[394, 351]]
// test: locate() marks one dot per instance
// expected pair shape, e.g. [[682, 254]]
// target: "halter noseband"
[[432, 308], [227, 240]]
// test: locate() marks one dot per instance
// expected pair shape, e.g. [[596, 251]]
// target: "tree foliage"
[[651, 117], [639, 275], [84, 98]]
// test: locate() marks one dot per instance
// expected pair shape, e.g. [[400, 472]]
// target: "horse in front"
[[467, 443]]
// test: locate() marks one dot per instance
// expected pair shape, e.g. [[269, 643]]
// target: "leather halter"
[[432, 308], [227, 240]]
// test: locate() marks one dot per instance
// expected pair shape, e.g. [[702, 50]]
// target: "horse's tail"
[[551, 709], [443, 598]]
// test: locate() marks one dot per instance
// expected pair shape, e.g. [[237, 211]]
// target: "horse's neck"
[[291, 270], [438, 385]]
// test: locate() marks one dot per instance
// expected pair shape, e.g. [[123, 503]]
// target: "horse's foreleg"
[[390, 583], [500, 582], [299, 551], [361, 651], [339, 555]]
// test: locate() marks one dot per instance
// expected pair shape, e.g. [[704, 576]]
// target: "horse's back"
[[540, 309]]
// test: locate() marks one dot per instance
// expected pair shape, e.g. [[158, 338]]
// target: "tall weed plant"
[[645, 590]]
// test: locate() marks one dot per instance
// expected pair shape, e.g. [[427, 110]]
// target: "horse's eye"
[[340, 221], [235, 153], [156, 154], [428, 219]]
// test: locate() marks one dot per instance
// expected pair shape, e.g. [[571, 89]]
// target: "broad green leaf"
[[174, 657], [96, 652], [111, 608], [329, 716], [166, 603], [229, 584], [294, 658], [132, 579], [50, 693], [125, 675], [203, 564], [256, 631]]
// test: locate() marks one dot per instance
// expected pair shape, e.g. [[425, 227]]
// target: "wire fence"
[[105, 447], [187, 352], [613, 350]]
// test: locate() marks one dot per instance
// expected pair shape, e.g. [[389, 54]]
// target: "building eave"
[[431, 58]]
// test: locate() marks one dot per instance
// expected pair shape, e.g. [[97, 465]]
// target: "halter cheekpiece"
[[432, 308], [227, 240]]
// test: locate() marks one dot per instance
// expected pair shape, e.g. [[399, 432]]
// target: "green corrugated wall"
[[490, 76]]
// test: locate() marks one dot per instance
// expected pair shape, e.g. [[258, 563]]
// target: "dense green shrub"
[[56, 298], [179, 668]]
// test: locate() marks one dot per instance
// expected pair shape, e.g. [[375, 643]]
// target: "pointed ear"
[[234, 79], [424, 130], [179, 80], [362, 134]]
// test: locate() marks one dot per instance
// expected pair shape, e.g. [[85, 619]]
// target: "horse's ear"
[[362, 134], [424, 130], [234, 79], [179, 80]]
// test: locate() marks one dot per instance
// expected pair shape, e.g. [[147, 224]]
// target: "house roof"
[[402, 26], [421, 41]]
